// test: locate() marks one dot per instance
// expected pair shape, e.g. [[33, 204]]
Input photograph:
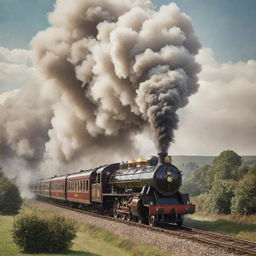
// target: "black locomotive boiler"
[[154, 185], [144, 190]]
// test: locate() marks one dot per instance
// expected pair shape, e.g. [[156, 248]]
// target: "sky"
[[221, 115], [226, 26]]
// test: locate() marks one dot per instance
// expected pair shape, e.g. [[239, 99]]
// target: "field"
[[90, 241], [233, 225]]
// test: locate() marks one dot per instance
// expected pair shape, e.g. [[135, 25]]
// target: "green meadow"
[[90, 241], [233, 225]]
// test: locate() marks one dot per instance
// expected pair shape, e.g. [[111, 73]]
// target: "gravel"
[[168, 243]]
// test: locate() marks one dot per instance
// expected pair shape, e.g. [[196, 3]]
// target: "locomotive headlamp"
[[169, 179]]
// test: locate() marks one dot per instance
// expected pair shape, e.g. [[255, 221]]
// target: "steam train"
[[145, 190]]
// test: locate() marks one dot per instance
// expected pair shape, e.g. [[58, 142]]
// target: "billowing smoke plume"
[[114, 67], [121, 65]]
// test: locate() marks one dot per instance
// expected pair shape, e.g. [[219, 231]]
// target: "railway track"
[[236, 244]]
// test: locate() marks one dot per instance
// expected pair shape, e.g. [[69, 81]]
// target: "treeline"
[[224, 187], [10, 199]]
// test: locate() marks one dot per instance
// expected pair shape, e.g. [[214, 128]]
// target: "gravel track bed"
[[168, 243]]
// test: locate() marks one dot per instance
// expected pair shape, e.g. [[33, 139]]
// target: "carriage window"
[[83, 185], [98, 178], [87, 185]]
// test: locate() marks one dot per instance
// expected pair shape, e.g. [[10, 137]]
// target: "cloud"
[[222, 114], [8, 95], [16, 69]]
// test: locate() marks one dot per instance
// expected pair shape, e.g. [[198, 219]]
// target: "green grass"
[[134, 248], [234, 225], [90, 241]]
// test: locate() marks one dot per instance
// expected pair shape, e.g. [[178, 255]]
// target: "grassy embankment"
[[233, 225], [90, 241]]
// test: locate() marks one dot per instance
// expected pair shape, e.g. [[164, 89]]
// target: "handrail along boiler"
[[143, 190]]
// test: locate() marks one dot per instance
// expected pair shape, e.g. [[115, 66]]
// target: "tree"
[[228, 157], [223, 171], [200, 179], [10, 199], [244, 200], [220, 196]]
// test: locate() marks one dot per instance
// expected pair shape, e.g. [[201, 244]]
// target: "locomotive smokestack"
[[161, 157]]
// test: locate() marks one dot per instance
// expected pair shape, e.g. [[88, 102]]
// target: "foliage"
[[220, 196], [198, 181], [33, 232], [10, 199], [244, 200], [229, 157], [224, 187]]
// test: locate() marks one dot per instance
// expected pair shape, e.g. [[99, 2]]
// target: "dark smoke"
[[117, 67]]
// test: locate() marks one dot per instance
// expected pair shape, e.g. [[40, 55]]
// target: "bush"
[[34, 233], [244, 201], [10, 199]]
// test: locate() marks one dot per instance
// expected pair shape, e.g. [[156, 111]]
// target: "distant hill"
[[182, 161], [189, 163], [249, 160]]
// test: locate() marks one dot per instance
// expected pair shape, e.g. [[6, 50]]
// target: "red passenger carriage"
[[58, 187], [78, 187]]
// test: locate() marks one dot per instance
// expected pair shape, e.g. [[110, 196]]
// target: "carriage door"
[[97, 188]]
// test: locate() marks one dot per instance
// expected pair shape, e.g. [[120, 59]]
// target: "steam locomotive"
[[145, 190]]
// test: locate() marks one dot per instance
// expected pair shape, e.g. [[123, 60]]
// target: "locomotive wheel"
[[180, 220], [128, 217], [115, 214], [152, 220], [179, 223], [115, 207], [142, 220]]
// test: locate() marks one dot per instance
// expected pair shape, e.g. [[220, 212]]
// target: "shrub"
[[35, 232], [10, 199], [244, 201]]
